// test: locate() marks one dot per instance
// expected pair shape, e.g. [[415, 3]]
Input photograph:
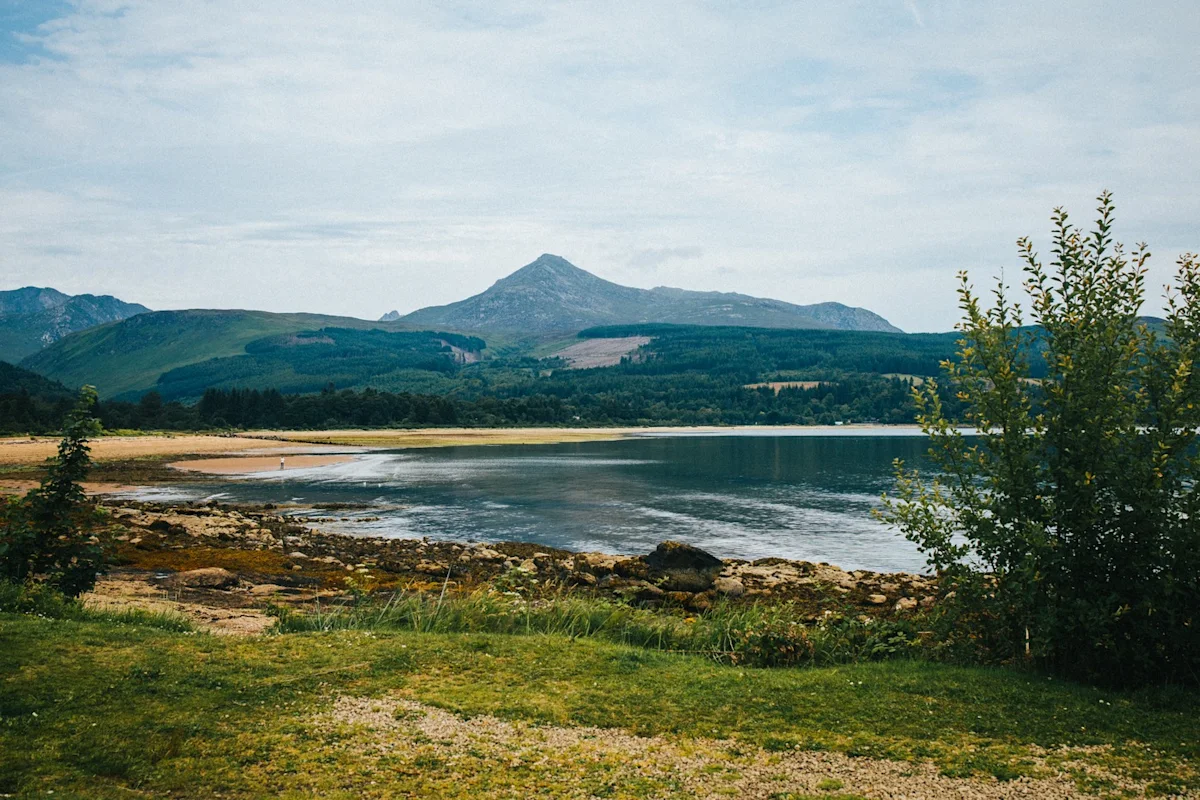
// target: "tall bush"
[[47, 536], [1069, 526]]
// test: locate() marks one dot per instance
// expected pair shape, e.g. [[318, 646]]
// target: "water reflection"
[[737, 496]]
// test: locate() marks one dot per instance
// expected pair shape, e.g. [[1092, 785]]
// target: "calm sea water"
[[739, 495]]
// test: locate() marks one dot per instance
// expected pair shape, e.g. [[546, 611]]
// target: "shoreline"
[[27, 451], [159, 543]]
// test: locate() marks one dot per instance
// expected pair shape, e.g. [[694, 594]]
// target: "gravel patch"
[[702, 768]]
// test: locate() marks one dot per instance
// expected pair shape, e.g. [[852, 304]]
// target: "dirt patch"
[[91, 487], [600, 352], [124, 593], [703, 768], [235, 465]]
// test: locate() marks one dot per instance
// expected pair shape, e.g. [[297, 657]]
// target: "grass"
[[748, 634], [93, 707]]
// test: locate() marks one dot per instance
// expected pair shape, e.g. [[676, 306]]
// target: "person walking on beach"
[[281, 462]]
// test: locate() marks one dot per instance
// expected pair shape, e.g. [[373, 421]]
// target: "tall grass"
[[757, 635]]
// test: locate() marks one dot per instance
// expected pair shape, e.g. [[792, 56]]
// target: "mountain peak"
[[30, 299], [32, 317], [550, 295], [547, 265]]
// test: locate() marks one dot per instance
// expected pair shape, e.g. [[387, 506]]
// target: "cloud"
[[654, 258], [352, 158]]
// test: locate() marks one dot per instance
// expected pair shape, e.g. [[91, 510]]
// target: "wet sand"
[[245, 464]]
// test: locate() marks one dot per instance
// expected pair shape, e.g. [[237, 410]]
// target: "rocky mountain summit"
[[552, 295], [32, 318]]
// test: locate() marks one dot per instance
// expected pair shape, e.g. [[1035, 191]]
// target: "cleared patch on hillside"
[[915, 380], [591, 353], [776, 386]]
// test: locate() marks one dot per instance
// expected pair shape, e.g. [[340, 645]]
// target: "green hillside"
[[128, 357], [307, 362]]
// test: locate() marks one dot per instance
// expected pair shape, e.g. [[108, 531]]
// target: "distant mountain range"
[[552, 295], [124, 350], [33, 318]]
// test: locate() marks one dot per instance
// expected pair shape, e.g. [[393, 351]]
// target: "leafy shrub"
[[1069, 528]]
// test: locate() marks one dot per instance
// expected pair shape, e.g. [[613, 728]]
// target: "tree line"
[[598, 400]]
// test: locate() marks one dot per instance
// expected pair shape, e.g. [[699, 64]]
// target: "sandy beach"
[[35, 450]]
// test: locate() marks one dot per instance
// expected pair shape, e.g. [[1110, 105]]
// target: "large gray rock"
[[204, 578], [730, 587], [679, 567]]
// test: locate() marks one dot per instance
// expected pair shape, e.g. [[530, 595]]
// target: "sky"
[[355, 157]]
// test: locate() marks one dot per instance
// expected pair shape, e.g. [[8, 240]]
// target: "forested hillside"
[[307, 362], [128, 357], [686, 375], [30, 403]]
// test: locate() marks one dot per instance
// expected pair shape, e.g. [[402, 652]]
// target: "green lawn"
[[100, 709]]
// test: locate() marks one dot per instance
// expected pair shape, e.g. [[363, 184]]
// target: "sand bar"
[[235, 465], [27, 450]]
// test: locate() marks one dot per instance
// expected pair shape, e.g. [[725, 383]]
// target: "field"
[[109, 706]]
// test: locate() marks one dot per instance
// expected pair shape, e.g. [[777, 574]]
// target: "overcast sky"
[[355, 157]]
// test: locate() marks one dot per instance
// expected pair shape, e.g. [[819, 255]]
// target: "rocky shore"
[[264, 552]]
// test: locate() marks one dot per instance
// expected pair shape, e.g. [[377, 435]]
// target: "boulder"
[[876, 599], [641, 590], [680, 567], [204, 578], [730, 587], [632, 568], [905, 604], [599, 564], [264, 589], [488, 554]]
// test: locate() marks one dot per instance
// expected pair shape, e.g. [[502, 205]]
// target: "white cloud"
[[355, 157]]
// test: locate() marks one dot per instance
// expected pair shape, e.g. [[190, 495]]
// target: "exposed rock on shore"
[[212, 546]]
